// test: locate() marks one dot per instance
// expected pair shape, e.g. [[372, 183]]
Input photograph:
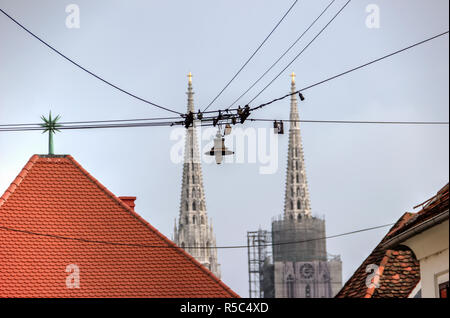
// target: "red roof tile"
[[55, 214]]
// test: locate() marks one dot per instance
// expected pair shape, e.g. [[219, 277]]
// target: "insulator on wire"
[[199, 115], [227, 129], [302, 98], [233, 120], [217, 119], [281, 128], [278, 127], [244, 113], [189, 119]]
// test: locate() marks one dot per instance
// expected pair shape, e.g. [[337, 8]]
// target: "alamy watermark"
[[250, 145], [373, 279], [373, 19], [73, 17], [73, 279]]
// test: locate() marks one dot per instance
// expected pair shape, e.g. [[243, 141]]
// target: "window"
[[290, 286], [292, 205], [297, 178], [186, 220], [308, 291], [299, 217], [298, 192], [443, 290], [299, 206], [194, 219], [203, 219], [194, 207]]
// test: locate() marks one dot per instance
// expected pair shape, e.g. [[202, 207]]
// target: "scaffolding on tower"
[[259, 252]]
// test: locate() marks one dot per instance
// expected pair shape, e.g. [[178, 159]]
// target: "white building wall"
[[431, 250]]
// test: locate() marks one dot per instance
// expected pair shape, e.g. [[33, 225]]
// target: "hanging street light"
[[219, 150]]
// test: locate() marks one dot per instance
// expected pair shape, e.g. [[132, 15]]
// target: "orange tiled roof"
[[56, 214], [433, 207], [398, 273], [399, 270]]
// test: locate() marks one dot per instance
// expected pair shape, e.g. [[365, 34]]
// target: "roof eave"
[[419, 228]]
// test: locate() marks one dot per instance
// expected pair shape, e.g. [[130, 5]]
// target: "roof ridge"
[[150, 227], [404, 219], [18, 180]]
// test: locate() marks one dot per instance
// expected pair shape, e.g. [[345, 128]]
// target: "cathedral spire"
[[194, 233], [297, 204], [190, 93]]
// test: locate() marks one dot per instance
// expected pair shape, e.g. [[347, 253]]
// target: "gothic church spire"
[[296, 204], [194, 233]]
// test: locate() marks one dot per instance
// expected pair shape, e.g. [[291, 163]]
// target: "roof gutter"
[[416, 230]]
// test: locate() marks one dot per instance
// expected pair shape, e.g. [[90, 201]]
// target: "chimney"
[[129, 201]]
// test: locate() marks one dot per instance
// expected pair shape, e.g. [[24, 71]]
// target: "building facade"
[[193, 231]]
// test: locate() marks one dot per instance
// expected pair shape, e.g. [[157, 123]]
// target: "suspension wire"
[[353, 121], [207, 122], [254, 53], [301, 52], [55, 236], [282, 55], [85, 69], [351, 70]]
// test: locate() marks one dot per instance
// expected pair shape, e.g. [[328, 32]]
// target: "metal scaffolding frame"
[[259, 249]]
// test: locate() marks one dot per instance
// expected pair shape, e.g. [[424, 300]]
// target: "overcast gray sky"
[[359, 175]]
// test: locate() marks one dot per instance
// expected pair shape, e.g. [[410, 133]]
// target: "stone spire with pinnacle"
[[194, 234], [296, 203]]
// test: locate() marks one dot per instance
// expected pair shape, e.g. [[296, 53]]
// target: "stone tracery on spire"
[[193, 224]]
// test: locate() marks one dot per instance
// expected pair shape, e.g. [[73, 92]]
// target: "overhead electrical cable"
[[354, 121], [93, 126], [301, 52], [251, 56], [351, 70], [208, 122], [61, 237], [85, 69], [97, 121], [282, 55]]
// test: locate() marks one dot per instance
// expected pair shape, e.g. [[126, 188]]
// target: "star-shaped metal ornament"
[[51, 126]]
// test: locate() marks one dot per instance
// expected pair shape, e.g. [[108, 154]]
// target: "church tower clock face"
[[306, 271]]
